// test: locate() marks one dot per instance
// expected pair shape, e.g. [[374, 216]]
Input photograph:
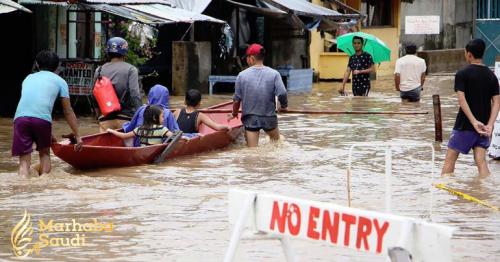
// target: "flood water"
[[178, 211]]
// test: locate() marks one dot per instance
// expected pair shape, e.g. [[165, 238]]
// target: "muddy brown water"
[[178, 211]]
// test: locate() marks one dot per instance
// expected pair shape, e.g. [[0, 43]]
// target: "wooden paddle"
[[172, 142], [328, 112]]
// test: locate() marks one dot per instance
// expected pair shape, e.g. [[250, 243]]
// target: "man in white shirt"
[[409, 75]]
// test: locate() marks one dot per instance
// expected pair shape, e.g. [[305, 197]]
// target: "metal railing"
[[388, 169]]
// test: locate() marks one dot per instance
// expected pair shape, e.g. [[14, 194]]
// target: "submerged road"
[[178, 211]]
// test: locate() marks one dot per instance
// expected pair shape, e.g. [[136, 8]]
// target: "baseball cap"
[[254, 49]]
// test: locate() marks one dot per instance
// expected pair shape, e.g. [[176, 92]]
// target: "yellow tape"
[[465, 196]]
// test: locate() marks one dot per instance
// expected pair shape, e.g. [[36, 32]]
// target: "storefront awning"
[[274, 12], [153, 14], [127, 2], [301, 12], [148, 13], [305, 8], [197, 6], [42, 2], [128, 14], [174, 15], [7, 6]]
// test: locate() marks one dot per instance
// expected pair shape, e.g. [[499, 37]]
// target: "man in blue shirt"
[[33, 119], [256, 90]]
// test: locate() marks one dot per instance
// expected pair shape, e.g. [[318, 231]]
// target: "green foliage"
[[136, 55]]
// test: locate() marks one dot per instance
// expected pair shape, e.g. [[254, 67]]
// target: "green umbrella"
[[372, 45]]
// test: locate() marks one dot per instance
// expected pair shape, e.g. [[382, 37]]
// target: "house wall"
[[390, 37], [286, 45], [456, 23]]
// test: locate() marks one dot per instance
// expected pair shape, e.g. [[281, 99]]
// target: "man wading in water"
[[256, 89], [479, 100], [361, 64]]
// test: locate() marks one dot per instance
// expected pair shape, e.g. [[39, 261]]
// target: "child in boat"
[[158, 95], [189, 118], [152, 132]]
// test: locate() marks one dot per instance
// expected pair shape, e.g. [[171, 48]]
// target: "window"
[[84, 33], [487, 9], [377, 12]]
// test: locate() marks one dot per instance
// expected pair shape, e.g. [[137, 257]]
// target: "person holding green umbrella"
[[361, 65]]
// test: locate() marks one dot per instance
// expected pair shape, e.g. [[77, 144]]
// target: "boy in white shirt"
[[409, 74]]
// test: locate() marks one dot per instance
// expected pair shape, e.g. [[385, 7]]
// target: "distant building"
[[457, 21], [382, 20]]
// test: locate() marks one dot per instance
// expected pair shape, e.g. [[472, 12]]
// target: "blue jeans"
[[412, 95]]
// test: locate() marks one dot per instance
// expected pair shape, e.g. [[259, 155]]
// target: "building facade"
[[382, 20]]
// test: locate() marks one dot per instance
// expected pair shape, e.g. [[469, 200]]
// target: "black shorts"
[[256, 123]]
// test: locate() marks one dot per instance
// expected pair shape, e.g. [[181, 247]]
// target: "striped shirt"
[[151, 135]]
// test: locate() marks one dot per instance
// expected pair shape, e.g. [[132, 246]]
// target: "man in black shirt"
[[361, 64], [478, 96]]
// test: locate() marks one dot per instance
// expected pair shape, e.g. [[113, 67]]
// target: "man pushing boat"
[[256, 90]]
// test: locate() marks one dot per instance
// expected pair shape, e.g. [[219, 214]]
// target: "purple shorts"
[[28, 130], [464, 141]]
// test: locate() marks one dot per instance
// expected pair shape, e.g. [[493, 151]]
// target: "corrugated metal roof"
[[172, 14], [128, 2], [305, 8], [129, 14], [197, 6], [273, 12], [109, 2], [42, 2], [148, 12], [7, 6]]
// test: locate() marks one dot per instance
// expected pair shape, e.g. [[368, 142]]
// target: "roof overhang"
[[7, 6], [300, 12], [153, 12]]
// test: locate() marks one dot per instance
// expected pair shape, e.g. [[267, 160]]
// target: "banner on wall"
[[422, 25]]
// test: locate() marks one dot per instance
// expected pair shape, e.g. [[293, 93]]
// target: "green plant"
[[137, 54]]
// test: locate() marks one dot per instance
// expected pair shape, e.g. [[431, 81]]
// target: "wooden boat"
[[106, 150]]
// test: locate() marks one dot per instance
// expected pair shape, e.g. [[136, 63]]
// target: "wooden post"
[[438, 123]]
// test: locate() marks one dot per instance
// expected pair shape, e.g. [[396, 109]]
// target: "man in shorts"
[[479, 100], [409, 74], [33, 119], [256, 90]]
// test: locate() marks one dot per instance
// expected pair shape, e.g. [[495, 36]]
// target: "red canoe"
[[106, 150]]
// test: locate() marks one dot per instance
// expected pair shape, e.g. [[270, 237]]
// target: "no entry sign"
[[361, 230]]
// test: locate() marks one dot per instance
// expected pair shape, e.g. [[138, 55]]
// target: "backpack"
[[105, 95]]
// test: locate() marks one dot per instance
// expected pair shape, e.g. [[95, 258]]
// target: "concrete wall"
[[288, 44], [191, 66], [317, 45], [445, 60], [456, 26]]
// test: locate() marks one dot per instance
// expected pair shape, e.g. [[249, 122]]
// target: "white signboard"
[[497, 71], [425, 25], [340, 226]]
